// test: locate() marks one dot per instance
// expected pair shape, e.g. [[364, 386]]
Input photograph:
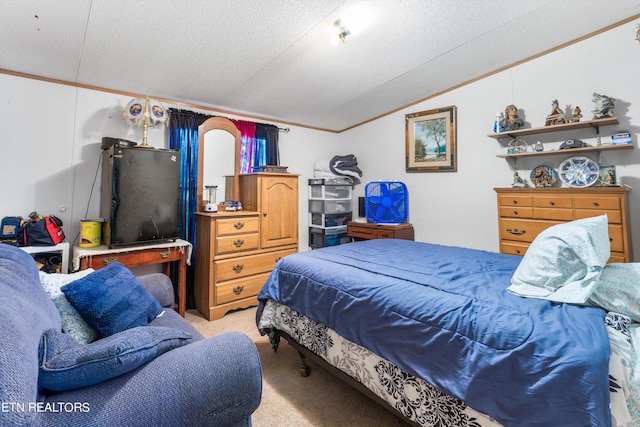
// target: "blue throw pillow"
[[112, 299], [65, 364]]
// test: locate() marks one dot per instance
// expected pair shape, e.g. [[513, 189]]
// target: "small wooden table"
[[368, 231], [164, 253]]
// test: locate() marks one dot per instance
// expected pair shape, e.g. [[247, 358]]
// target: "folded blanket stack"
[[338, 167]]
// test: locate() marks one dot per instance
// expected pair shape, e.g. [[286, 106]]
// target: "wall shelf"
[[595, 124], [571, 151]]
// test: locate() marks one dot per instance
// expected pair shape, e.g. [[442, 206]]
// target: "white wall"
[[461, 208], [50, 136]]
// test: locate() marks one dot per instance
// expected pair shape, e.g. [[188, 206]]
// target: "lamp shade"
[[145, 113]]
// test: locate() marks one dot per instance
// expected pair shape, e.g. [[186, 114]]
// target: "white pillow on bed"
[[564, 261]]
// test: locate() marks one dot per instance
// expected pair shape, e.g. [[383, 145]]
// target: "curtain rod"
[[285, 130]]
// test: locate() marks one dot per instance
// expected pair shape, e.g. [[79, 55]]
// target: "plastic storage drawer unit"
[[330, 220], [332, 236], [329, 206], [330, 192]]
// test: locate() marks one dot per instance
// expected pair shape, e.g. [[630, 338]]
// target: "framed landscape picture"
[[431, 140]]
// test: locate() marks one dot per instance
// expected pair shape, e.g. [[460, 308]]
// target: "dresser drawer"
[[596, 202], [613, 217], [248, 265], [504, 200], [368, 233], [552, 201], [522, 230], [237, 225], [513, 248], [236, 243], [615, 238], [557, 214], [516, 212], [233, 290]]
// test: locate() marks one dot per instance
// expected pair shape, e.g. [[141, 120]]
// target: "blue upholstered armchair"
[[179, 378]]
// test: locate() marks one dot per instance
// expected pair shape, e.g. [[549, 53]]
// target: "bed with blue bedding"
[[432, 331]]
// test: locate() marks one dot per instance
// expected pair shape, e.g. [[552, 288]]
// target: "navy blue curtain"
[[183, 136], [266, 150]]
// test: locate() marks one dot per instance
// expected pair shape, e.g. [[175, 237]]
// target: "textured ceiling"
[[272, 59]]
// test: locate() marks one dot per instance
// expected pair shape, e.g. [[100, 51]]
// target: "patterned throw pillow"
[[72, 323], [618, 290]]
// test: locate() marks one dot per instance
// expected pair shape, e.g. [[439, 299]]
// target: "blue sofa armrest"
[[212, 382], [160, 286]]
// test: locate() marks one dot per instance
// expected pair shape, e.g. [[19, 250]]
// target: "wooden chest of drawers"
[[523, 213], [368, 231], [236, 251]]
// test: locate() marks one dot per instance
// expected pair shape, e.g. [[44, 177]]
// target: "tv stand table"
[[165, 253]]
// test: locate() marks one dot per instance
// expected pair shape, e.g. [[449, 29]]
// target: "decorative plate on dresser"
[[579, 172], [543, 176]]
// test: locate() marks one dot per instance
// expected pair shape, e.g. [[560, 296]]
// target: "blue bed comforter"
[[443, 314]]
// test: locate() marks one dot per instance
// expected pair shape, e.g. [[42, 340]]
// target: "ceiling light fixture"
[[340, 32]]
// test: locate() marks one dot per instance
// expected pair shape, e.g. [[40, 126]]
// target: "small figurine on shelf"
[[539, 147], [511, 120], [497, 124], [557, 116], [577, 114], [517, 181], [604, 106]]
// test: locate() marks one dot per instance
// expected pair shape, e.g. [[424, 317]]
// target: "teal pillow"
[[65, 364], [563, 263], [618, 290], [112, 299]]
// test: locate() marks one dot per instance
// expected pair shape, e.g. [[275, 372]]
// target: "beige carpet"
[[288, 398]]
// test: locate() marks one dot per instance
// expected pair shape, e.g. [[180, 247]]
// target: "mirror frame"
[[219, 123]]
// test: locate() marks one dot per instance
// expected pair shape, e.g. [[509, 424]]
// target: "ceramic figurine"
[[577, 114], [539, 146], [511, 120], [517, 181], [557, 116], [604, 106]]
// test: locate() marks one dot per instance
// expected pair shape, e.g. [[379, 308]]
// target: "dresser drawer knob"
[[238, 225], [238, 243], [515, 202], [238, 290], [515, 212], [515, 231], [518, 251], [165, 254], [238, 268], [552, 203], [596, 204]]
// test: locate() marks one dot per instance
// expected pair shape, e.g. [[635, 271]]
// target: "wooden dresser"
[[368, 231], [524, 212], [236, 251]]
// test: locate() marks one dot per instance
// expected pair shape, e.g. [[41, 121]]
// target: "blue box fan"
[[386, 202]]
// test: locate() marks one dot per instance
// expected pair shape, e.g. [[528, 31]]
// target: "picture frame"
[[431, 142], [607, 176]]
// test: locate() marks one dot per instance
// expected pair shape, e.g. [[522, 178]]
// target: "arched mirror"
[[218, 158]]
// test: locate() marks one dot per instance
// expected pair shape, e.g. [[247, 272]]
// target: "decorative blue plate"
[[579, 172], [543, 176]]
